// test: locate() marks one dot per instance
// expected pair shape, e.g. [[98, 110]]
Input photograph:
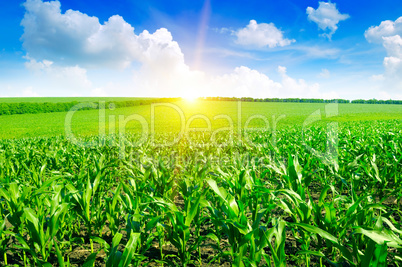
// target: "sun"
[[190, 97]]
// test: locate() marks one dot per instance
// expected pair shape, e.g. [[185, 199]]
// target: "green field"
[[291, 189], [167, 119]]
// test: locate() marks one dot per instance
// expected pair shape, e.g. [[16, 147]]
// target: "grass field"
[[167, 119], [304, 191]]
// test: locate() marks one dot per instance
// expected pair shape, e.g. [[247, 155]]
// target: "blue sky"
[[320, 49]]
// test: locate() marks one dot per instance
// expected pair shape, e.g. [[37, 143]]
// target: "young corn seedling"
[[300, 212], [190, 188], [41, 241], [4, 239], [16, 198], [160, 180], [87, 209], [142, 224], [233, 222], [179, 233], [113, 211], [313, 230], [377, 241], [141, 218], [277, 235], [129, 255]]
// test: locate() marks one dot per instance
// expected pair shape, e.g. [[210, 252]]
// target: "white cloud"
[[63, 48], [222, 30], [261, 35], [393, 46], [246, 82], [34, 65], [20, 91], [243, 82], [69, 37], [375, 78], [327, 17], [386, 95], [299, 88], [387, 28], [163, 71], [75, 38], [325, 74], [52, 78], [389, 33], [99, 92], [319, 52], [28, 92]]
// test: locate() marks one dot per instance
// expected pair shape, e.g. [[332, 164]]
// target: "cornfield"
[[269, 201]]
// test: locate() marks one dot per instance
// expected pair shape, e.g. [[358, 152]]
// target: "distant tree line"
[[375, 101], [48, 107], [303, 100]]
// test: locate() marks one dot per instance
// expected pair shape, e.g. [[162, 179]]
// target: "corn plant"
[[128, 257], [41, 242], [278, 255], [86, 208], [179, 232], [4, 239], [268, 200]]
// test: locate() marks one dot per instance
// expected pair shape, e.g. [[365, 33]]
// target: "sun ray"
[[202, 31]]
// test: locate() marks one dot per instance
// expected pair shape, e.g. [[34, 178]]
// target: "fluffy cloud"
[[387, 28], [244, 82], [73, 38], [261, 35], [393, 46], [63, 47], [163, 71], [327, 17], [28, 92], [388, 33], [291, 87], [76, 38], [18, 91], [52, 79]]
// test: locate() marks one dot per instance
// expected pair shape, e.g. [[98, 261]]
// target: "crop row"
[[272, 203]]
